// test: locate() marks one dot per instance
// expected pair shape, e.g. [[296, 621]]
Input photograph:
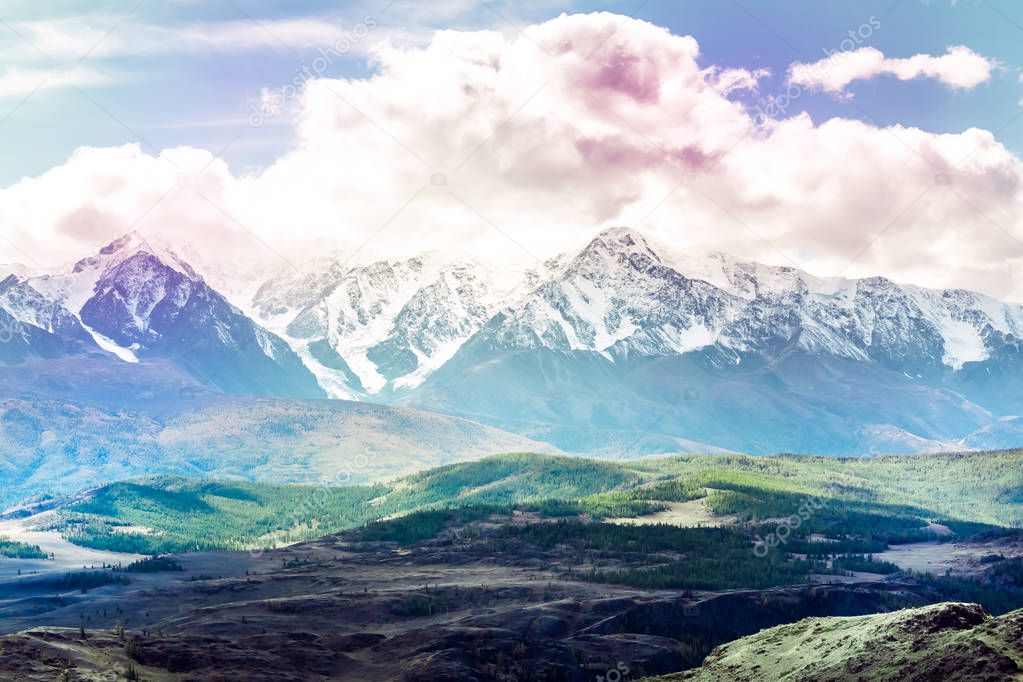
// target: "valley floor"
[[65, 556], [519, 568], [964, 559], [439, 609]]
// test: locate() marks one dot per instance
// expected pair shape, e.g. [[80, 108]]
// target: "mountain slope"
[[140, 302], [946, 641], [34, 327], [57, 446]]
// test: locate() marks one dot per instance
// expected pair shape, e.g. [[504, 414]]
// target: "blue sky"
[[158, 87]]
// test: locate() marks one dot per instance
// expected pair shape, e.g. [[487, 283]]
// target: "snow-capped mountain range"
[[627, 343]]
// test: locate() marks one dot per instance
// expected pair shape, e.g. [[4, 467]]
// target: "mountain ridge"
[[737, 303], [627, 339]]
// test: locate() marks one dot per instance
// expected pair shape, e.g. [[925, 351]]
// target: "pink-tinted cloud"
[[490, 143]]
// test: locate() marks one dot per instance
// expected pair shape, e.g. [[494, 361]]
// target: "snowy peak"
[[386, 324], [74, 288], [617, 295], [972, 326], [133, 296], [33, 326], [115, 291], [296, 288], [138, 301], [626, 293], [621, 240], [30, 307], [128, 245], [616, 247]]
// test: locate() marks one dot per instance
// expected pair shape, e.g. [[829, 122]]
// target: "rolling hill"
[[956, 642], [52, 446]]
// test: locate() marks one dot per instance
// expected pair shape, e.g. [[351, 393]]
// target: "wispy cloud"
[[19, 82], [960, 67], [71, 38]]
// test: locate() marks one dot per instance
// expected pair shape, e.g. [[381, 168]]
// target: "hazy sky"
[[854, 138]]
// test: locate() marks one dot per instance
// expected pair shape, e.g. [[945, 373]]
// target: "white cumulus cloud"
[[516, 147]]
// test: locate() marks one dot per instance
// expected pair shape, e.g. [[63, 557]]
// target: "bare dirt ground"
[[438, 610], [449, 608], [959, 558]]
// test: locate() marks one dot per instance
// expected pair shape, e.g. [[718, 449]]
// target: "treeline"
[[865, 563], [996, 599], [423, 525], [154, 564], [83, 581], [20, 550], [714, 558], [187, 515]]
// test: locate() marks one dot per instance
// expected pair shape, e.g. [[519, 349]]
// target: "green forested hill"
[[879, 495], [985, 487]]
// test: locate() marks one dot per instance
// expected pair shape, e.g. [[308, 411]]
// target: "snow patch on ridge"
[[109, 345], [694, 338], [428, 364], [962, 343]]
